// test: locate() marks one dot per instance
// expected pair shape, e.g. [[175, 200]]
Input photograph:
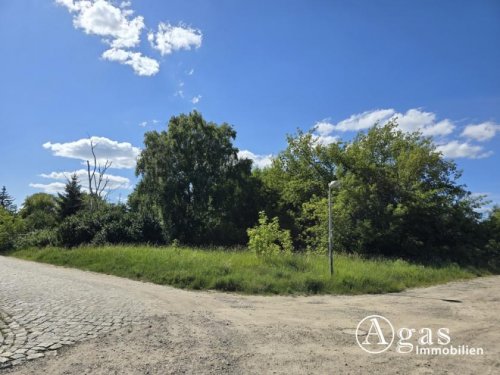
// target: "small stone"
[[3, 360], [55, 346], [35, 356], [45, 344]]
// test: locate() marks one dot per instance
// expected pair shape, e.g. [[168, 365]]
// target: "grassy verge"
[[243, 272]]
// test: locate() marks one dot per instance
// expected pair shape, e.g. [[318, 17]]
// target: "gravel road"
[[56, 320]]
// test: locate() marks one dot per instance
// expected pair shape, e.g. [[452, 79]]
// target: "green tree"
[[397, 196], [193, 180], [71, 201], [298, 176], [6, 200], [11, 226], [40, 211]]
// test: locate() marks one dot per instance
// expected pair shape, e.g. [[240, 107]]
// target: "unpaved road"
[[111, 325]]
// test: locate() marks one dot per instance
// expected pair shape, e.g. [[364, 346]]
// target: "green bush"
[[37, 238], [110, 225], [11, 226], [268, 238]]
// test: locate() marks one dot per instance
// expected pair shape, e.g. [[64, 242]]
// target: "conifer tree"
[[6, 201], [71, 201]]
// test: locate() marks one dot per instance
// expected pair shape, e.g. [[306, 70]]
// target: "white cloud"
[[412, 120], [100, 17], [364, 120], [142, 65], [191, 72], [455, 149], [325, 140], [415, 119], [324, 127], [115, 182], [143, 124], [121, 154], [196, 99], [114, 23], [259, 161], [52, 188], [481, 132], [170, 38]]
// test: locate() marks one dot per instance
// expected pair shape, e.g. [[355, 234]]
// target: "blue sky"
[[72, 69]]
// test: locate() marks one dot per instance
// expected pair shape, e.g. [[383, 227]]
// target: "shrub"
[[11, 226], [37, 238], [110, 225], [268, 238]]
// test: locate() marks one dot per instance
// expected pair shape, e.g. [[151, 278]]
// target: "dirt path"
[[120, 326]]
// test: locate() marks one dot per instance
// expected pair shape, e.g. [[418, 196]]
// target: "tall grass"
[[244, 272]]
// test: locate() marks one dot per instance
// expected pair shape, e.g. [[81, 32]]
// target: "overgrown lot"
[[243, 272]]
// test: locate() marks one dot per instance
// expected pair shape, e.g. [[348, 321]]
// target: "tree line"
[[397, 197]]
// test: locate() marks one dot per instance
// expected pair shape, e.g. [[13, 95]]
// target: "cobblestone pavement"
[[39, 313], [45, 309]]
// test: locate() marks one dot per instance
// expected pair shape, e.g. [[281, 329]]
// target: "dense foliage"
[[192, 179], [396, 197]]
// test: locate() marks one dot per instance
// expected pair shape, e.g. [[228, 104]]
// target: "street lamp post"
[[330, 234]]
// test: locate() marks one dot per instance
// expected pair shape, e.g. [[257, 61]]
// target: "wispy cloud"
[[196, 99], [120, 154], [142, 65], [115, 182], [481, 132], [455, 149], [415, 120], [51, 188]]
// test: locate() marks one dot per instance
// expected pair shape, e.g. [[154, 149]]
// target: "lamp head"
[[333, 184]]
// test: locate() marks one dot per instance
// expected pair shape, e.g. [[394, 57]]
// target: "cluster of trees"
[[396, 197]]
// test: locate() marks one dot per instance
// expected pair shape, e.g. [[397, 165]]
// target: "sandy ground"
[[185, 332]]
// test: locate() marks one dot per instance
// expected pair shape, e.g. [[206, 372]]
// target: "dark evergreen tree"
[[71, 201], [6, 201]]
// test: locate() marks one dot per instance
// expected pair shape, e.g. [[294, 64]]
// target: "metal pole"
[[330, 238]]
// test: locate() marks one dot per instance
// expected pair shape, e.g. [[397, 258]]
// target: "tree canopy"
[[192, 178], [397, 195]]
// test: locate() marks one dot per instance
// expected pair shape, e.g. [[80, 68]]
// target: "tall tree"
[[397, 195], [192, 178], [6, 201], [71, 201]]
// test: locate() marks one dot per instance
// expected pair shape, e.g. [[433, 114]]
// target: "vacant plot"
[[244, 272]]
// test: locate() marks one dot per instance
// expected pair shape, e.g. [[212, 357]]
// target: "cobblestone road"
[[39, 313], [46, 309]]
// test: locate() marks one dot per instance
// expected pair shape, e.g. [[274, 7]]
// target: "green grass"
[[243, 272]]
